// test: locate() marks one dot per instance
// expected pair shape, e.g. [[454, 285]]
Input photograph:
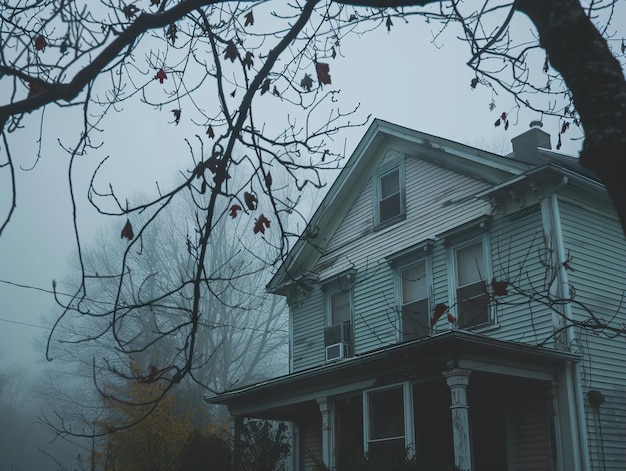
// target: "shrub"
[[264, 446], [393, 463]]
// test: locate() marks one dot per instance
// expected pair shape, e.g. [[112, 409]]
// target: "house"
[[447, 301]]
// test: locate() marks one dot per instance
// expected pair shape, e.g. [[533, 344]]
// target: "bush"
[[264, 446], [393, 463], [206, 452]]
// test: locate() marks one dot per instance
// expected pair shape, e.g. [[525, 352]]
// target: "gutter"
[[424, 345]]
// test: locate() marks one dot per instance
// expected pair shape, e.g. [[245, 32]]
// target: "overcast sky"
[[398, 76]]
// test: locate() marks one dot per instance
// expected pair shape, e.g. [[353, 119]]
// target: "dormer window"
[[389, 193]]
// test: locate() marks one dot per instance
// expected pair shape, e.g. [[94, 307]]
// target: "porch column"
[[328, 449], [458, 380], [235, 422]]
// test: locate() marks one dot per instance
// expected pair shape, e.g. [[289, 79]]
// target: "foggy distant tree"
[[242, 338], [254, 78], [25, 444]]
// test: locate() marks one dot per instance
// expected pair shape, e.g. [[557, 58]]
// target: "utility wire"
[[23, 323], [36, 288]]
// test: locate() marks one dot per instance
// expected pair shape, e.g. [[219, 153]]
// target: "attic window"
[[389, 193]]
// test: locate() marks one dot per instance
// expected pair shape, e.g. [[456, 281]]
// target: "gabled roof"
[[381, 136], [501, 171]]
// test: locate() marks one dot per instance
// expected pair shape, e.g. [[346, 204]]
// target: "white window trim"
[[329, 294], [398, 163], [407, 395], [427, 260], [453, 278]]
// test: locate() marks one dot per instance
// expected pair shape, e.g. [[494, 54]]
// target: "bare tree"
[[241, 338], [107, 57]]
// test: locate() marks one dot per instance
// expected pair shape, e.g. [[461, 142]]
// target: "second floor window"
[[338, 333], [415, 320], [472, 303], [340, 307]]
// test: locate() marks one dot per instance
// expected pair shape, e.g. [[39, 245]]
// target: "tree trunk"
[[581, 55]]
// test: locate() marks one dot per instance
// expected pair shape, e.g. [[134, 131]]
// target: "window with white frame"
[[385, 427], [472, 302], [415, 309], [340, 307], [338, 333], [389, 193]]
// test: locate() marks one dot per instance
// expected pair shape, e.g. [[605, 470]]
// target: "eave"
[[540, 182]]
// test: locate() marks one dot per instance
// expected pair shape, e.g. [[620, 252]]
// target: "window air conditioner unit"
[[338, 341], [338, 351]]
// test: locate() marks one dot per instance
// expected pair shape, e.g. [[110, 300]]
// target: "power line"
[[36, 288], [23, 323]]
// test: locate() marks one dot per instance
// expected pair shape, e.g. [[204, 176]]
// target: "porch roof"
[[420, 359]]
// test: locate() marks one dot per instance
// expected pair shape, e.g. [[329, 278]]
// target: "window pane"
[[414, 283], [390, 184], [472, 305], [340, 307], [387, 450], [386, 414], [470, 264], [389, 208], [415, 320]]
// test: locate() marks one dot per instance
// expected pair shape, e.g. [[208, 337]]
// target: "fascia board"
[[350, 176]]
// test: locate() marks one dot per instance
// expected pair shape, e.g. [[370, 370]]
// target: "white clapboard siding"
[[517, 246], [308, 331], [598, 251], [437, 200], [375, 312]]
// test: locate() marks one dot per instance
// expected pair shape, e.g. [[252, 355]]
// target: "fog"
[[398, 76]]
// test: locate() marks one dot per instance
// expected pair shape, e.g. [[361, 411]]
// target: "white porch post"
[[328, 448], [458, 380]]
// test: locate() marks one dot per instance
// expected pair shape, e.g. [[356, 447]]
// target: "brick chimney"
[[525, 145]]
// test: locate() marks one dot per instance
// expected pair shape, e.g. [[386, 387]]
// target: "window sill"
[[482, 328], [390, 222]]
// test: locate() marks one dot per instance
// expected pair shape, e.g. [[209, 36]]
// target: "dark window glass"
[[472, 305], [415, 312], [472, 301], [386, 423], [386, 414], [340, 307], [389, 196], [415, 320]]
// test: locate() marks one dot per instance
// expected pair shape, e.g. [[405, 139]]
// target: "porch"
[[482, 403]]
